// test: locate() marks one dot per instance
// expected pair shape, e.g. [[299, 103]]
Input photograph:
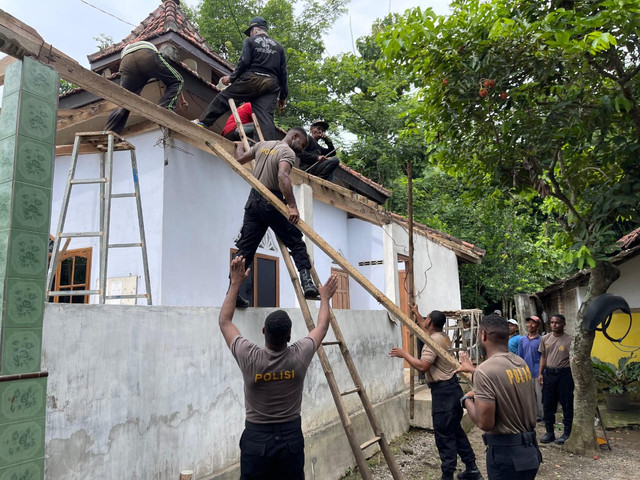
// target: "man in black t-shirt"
[[260, 77]]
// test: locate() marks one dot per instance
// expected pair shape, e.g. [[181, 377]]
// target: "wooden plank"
[[66, 120], [4, 63], [240, 128], [16, 36]]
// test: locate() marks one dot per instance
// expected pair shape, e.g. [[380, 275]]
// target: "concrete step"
[[422, 411]]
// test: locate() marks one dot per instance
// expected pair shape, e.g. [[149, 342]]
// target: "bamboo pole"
[[412, 294]]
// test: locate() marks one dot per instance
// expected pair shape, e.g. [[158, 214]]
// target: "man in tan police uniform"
[[502, 404], [272, 445], [446, 411], [556, 379]]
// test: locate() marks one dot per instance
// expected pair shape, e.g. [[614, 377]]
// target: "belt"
[[273, 427], [452, 381], [509, 440], [557, 370], [263, 74], [255, 194]]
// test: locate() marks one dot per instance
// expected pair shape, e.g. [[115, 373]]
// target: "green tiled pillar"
[[27, 142]]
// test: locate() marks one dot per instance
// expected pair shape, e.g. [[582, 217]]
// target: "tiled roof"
[[168, 17], [366, 180], [630, 239]]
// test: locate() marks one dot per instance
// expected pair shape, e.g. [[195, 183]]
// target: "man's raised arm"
[[322, 326], [237, 275]]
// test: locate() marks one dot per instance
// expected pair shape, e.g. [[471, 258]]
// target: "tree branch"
[[557, 191]]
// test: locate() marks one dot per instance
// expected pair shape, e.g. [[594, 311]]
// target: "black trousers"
[[557, 387], [324, 169], [136, 69], [512, 457], [272, 451], [259, 215], [260, 90], [451, 440]]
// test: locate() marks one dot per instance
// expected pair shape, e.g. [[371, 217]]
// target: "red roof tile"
[[168, 17], [366, 180]]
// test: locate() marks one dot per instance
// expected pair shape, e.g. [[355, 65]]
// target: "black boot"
[[242, 302], [470, 473], [565, 436], [549, 436], [308, 287]]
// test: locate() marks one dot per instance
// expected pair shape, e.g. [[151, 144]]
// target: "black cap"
[[256, 22], [321, 123]]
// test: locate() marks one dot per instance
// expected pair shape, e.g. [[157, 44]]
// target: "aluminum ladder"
[[104, 143]]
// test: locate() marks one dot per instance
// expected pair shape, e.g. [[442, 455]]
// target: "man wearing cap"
[[502, 405], [446, 411], [514, 337], [260, 77], [556, 379], [316, 159], [272, 444], [528, 351]]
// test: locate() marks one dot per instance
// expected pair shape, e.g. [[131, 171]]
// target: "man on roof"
[[260, 77], [316, 159], [141, 62]]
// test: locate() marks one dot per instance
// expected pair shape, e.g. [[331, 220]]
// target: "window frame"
[[254, 274], [87, 253]]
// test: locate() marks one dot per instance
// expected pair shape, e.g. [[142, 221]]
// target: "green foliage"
[[620, 379], [535, 100], [222, 23], [103, 41], [65, 87]]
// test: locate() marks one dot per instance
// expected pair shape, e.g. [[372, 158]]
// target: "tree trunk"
[[583, 432]]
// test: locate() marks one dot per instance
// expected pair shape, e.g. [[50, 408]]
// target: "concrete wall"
[[141, 392]]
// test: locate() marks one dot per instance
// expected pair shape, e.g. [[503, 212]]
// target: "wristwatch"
[[463, 398]]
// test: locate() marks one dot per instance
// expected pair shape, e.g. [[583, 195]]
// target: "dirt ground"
[[417, 457]]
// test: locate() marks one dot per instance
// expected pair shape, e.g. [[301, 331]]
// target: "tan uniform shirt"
[[505, 379], [273, 381], [439, 369], [268, 156], [556, 350]]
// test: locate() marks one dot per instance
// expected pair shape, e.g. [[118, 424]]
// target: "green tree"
[[537, 99], [222, 24]]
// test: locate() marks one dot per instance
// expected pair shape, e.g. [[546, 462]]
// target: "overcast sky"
[[70, 25]]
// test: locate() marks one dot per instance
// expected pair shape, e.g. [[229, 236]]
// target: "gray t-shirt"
[[556, 350], [268, 156], [505, 379], [273, 381]]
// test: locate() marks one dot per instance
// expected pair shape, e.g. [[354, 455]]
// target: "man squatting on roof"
[[502, 404], [272, 444], [141, 62], [260, 77], [274, 160], [446, 411]]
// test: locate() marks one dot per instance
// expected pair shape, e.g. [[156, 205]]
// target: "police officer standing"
[[260, 77], [556, 379], [274, 160], [446, 411], [272, 444], [502, 404]]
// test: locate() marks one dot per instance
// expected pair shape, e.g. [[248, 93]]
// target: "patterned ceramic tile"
[[27, 254], [37, 119], [7, 155], [40, 79], [33, 470], [34, 162], [4, 241], [24, 306], [31, 207], [22, 441], [5, 204], [22, 399], [9, 115], [12, 78], [21, 350]]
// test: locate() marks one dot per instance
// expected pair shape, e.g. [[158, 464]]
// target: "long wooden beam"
[[19, 39]]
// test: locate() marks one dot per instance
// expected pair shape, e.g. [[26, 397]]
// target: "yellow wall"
[[607, 351]]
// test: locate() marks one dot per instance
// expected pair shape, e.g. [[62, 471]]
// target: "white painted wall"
[[83, 212], [365, 245], [628, 285], [141, 392]]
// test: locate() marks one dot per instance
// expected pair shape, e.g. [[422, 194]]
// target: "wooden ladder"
[[338, 396]]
